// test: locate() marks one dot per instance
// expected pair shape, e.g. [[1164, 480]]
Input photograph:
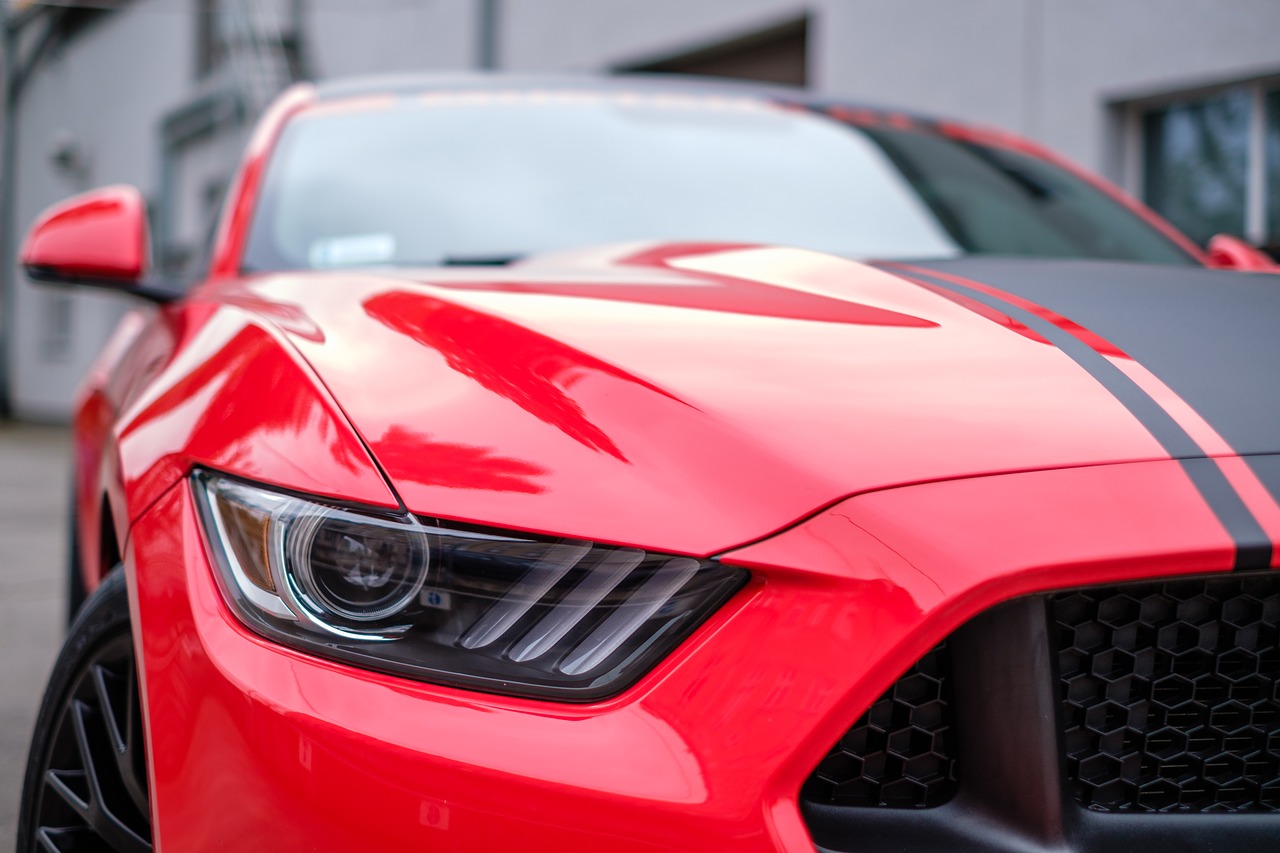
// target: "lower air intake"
[[901, 753]]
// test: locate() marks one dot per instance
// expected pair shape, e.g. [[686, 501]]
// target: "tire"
[[75, 591], [86, 783]]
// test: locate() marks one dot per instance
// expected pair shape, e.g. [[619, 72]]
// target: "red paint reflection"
[[415, 456], [255, 394], [531, 370], [703, 290]]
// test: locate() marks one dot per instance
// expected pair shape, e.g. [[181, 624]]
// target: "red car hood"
[[692, 398]]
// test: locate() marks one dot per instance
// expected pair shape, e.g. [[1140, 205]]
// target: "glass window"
[[994, 201], [1273, 174], [469, 177], [1196, 163], [445, 181]]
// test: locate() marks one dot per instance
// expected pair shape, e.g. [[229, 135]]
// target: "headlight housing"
[[506, 613]]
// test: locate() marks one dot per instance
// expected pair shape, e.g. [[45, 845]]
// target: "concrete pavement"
[[34, 480]]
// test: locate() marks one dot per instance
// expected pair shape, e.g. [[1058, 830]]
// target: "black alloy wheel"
[[86, 783]]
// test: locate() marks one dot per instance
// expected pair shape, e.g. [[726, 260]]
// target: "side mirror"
[[1231, 253], [96, 239]]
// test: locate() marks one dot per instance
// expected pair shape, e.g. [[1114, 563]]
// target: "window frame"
[[1132, 159]]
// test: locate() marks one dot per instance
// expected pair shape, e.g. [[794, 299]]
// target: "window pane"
[[1273, 173], [994, 201], [447, 179], [1195, 163]]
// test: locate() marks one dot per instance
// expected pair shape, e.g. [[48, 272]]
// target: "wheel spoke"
[[121, 838], [91, 795], [71, 839], [61, 783], [79, 712], [63, 840], [112, 695], [94, 738], [105, 701]]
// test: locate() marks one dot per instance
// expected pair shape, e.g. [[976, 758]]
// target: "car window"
[[483, 177], [996, 201]]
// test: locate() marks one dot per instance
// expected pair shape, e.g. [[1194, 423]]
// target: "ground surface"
[[34, 479]]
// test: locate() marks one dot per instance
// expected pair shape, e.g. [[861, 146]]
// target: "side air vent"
[[901, 753]]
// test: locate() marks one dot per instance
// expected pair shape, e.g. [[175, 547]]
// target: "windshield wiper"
[[478, 260]]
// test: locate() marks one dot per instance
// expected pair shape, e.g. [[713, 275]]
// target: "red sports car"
[[635, 465]]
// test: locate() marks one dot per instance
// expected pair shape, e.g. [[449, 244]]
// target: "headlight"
[[511, 614]]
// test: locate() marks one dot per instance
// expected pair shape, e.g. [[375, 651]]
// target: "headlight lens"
[[561, 619], [354, 570]]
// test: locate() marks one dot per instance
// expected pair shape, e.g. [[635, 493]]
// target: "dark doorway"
[[775, 55]]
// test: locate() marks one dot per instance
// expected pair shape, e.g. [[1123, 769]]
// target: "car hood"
[[692, 397]]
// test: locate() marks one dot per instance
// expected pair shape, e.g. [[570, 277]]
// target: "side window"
[[1000, 202]]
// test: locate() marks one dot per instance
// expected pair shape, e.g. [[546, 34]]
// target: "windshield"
[[457, 177]]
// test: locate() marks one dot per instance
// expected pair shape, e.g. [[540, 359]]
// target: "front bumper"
[[254, 746]]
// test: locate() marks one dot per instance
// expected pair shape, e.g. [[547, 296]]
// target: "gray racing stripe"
[[1253, 548]]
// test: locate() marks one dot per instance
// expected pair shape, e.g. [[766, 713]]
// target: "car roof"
[[411, 84]]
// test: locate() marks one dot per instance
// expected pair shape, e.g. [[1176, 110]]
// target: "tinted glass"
[[1195, 163], [1273, 173], [994, 201], [464, 177]]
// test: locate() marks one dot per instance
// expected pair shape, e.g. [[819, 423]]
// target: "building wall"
[[1044, 68], [965, 59], [587, 35], [1097, 53], [349, 37], [98, 95], [1049, 69]]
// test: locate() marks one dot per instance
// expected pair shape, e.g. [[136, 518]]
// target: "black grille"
[[901, 753], [1171, 695]]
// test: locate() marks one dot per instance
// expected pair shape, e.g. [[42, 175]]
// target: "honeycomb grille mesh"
[[1171, 695], [901, 753]]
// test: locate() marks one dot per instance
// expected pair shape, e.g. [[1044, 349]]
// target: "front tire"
[[75, 591], [86, 781]]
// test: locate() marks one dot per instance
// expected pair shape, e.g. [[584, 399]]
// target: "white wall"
[[1043, 68], [590, 35], [348, 37], [106, 91], [961, 59], [1097, 51]]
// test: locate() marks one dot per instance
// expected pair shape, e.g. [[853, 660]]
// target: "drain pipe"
[[8, 163]]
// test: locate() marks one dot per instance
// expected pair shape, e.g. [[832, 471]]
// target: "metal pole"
[[8, 193], [487, 35]]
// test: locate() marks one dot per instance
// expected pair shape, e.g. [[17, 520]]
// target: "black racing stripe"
[[1253, 548], [1267, 469]]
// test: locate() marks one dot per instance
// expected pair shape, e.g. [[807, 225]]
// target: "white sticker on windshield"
[[352, 250]]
